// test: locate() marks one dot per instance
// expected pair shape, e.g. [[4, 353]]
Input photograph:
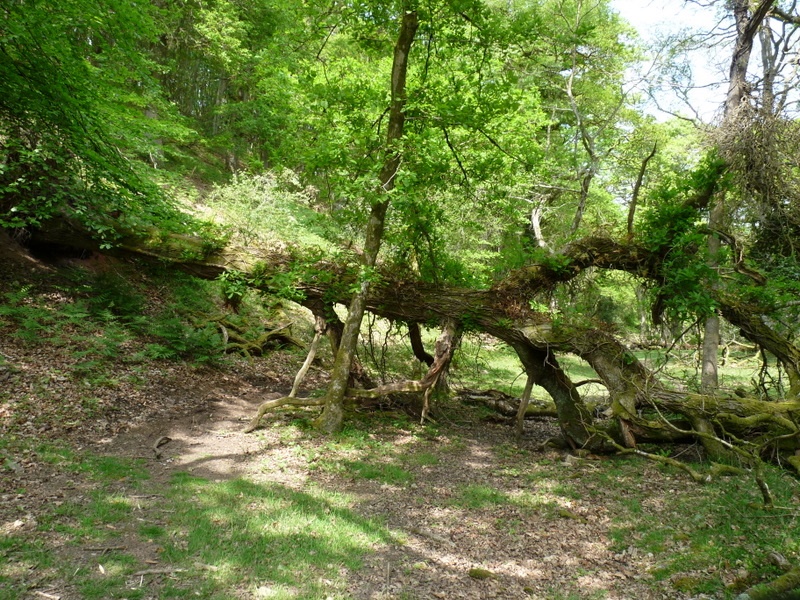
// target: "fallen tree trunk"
[[504, 312], [508, 406]]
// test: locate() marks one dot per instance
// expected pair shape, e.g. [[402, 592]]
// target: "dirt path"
[[559, 550]]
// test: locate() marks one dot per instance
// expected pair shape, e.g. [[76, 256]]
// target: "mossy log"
[[785, 587], [758, 421], [505, 313], [507, 405]]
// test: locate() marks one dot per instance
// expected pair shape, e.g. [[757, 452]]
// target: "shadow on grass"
[[262, 538]]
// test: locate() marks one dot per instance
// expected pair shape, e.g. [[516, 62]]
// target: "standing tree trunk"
[[332, 415], [709, 378], [747, 26]]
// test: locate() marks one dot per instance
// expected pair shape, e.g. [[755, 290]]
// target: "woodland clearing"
[[113, 497]]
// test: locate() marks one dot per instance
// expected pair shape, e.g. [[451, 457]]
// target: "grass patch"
[[266, 533], [111, 581], [719, 527], [385, 473], [474, 496], [21, 562], [421, 459]]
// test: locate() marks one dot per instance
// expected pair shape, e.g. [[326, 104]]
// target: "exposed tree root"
[[737, 447], [237, 342], [285, 401], [445, 347], [291, 399]]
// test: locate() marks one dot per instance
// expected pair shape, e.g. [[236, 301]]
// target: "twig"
[[160, 442], [159, 572], [105, 549]]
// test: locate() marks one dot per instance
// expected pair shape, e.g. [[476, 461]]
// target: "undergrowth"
[[129, 313]]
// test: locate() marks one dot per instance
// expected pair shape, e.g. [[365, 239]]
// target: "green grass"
[[216, 537], [95, 518], [705, 529], [385, 473], [476, 496], [359, 452], [247, 538], [421, 459], [21, 560], [297, 541]]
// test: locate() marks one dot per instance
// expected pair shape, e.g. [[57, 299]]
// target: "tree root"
[[301, 374], [720, 470], [285, 401], [735, 447], [445, 347]]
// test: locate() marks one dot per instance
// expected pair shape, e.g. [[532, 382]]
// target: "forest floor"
[[456, 512], [459, 509]]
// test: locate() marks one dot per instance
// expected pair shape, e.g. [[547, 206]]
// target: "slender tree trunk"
[[523, 405], [637, 188], [536, 224], [747, 26], [709, 378], [333, 414]]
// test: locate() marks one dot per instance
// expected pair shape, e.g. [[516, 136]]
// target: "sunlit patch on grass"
[[20, 559], [285, 539], [421, 459], [476, 496]]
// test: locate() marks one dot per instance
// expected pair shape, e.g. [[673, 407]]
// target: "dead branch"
[[285, 401], [163, 440]]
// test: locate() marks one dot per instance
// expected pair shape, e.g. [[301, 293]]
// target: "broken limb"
[[319, 330], [523, 405], [664, 460]]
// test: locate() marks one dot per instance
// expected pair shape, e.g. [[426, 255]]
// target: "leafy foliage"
[[672, 226], [269, 208], [69, 113]]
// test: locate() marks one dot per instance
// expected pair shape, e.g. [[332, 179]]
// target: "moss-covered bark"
[[786, 587], [504, 312]]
